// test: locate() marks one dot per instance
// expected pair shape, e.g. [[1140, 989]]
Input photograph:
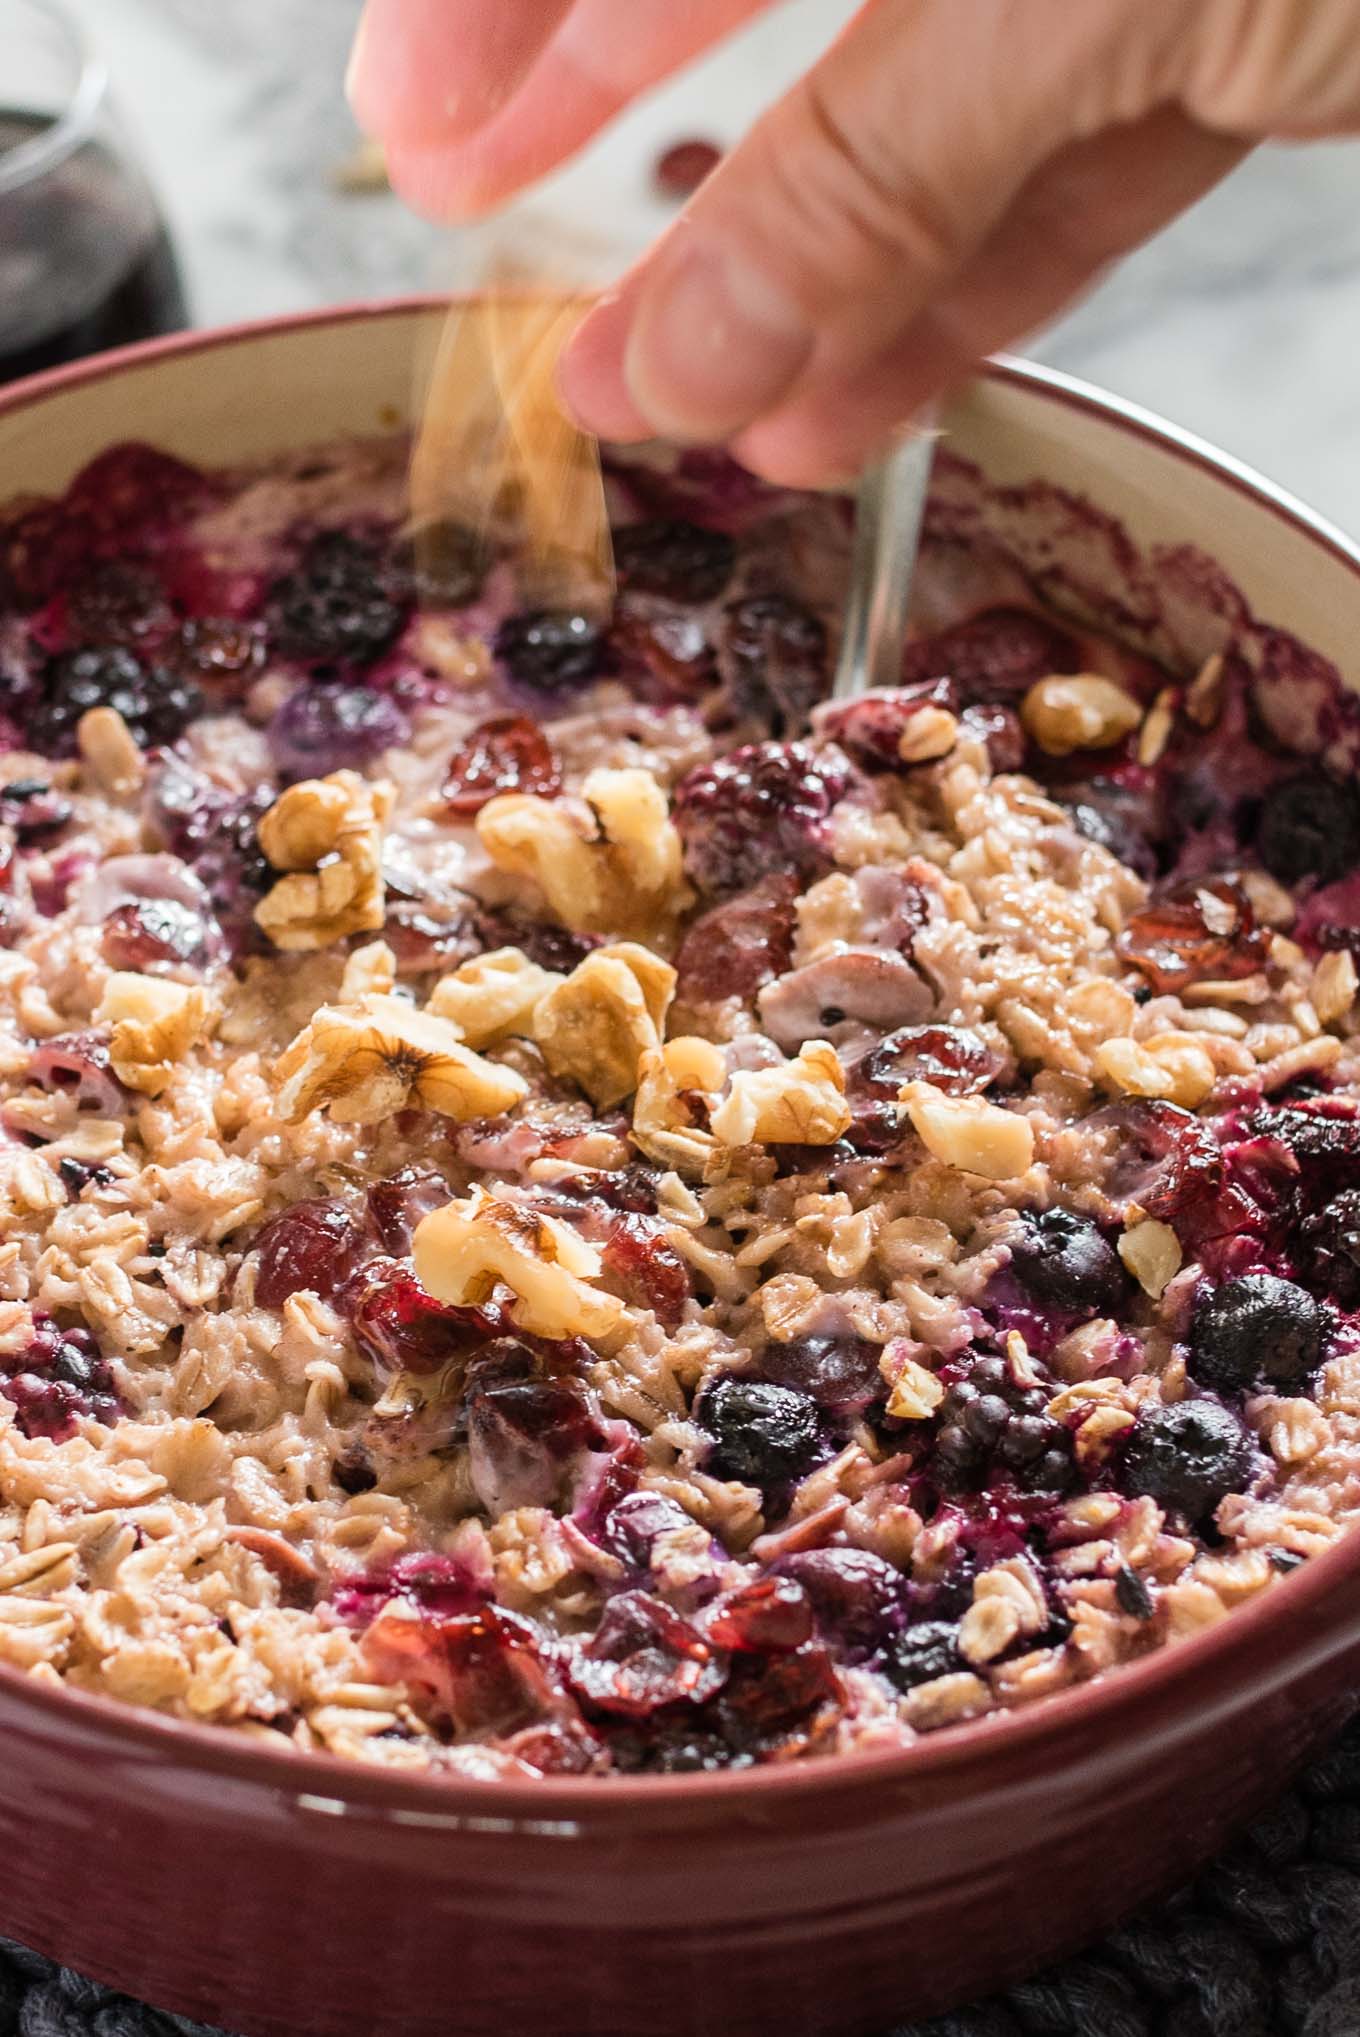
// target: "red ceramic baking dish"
[[279, 1893]]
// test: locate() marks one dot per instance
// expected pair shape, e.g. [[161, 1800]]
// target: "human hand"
[[945, 178]]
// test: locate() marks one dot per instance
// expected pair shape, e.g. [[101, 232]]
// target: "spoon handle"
[[888, 513]]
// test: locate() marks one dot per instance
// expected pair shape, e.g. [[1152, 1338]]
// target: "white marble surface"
[[1241, 322]]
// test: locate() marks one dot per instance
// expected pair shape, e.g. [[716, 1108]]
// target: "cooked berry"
[[430, 1583], [312, 1245], [118, 602], [155, 703], [772, 655], [1188, 1456], [871, 729], [1309, 827], [641, 1264], [838, 1372], [855, 1596], [58, 1376], [989, 1427], [1203, 931], [738, 946], [922, 1652], [1064, 1261], [549, 648], [404, 1329], [1127, 821], [762, 1434], [335, 608], [679, 561], [681, 168], [769, 1615], [661, 653], [1258, 1330], [33, 809], [1331, 1240], [760, 810], [222, 650], [643, 1656], [135, 488], [78, 1175], [488, 1672], [509, 753], [396, 1205], [446, 563], [217, 834], [996, 655], [147, 933], [79, 1064], [320, 729], [552, 947]]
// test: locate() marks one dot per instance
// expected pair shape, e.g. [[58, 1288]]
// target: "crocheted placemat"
[[1266, 1943]]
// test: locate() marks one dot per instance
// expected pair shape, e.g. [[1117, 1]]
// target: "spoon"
[[889, 509]]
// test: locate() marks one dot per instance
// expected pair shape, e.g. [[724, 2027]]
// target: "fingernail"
[[713, 344]]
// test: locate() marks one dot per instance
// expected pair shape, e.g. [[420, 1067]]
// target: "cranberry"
[[425, 936], [320, 729], [222, 651], [633, 1524], [490, 1672], [669, 650], [446, 564], [855, 1595], [1331, 1242], [433, 1584], [922, 1652], [999, 730], [772, 655], [397, 1204], [336, 607], [1258, 1330], [838, 1372], [548, 648], [42, 550], [148, 933], [762, 809], [1309, 827], [79, 1063], [1170, 1164], [509, 753], [768, 1698], [404, 1329], [681, 168], [118, 601], [641, 1262], [33, 809], [1188, 1456], [524, 1429], [1207, 932], [767, 1616], [677, 561], [643, 1657], [738, 946], [59, 1376], [871, 728], [154, 702], [632, 1188], [312, 1245], [550, 946], [995, 655], [951, 1057], [763, 1434], [1064, 1261], [132, 486]]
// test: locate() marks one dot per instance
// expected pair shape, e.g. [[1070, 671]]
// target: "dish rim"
[[487, 1806]]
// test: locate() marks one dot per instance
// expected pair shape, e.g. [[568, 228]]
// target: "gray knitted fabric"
[[1265, 1944]]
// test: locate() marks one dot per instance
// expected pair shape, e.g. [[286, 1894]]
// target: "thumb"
[[856, 198]]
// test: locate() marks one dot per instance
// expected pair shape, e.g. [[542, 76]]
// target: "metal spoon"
[[889, 510]]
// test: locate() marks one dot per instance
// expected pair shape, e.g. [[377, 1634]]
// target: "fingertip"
[[591, 376], [435, 182]]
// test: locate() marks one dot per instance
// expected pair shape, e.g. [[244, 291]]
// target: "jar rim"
[[70, 128]]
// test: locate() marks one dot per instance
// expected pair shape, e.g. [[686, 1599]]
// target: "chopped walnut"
[[1081, 712], [969, 1133], [109, 751], [1334, 985], [368, 1060], [371, 968], [465, 1250], [596, 1024], [155, 1023], [493, 996], [801, 1102], [666, 1125], [1168, 1065], [929, 734], [914, 1391], [327, 834], [1152, 1253], [613, 865]]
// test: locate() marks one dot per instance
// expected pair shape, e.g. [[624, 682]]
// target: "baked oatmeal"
[[571, 1207]]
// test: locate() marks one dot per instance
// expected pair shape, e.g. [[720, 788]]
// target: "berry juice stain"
[[84, 261]]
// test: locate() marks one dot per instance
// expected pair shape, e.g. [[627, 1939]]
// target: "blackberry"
[[57, 1377], [1331, 1241], [118, 602], [921, 1653], [762, 1434], [987, 1425], [546, 648], [1188, 1456], [761, 809], [155, 703], [1256, 1331], [1309, 827], [773, 659], [1063, 1261], [337, 607], [676, 560]]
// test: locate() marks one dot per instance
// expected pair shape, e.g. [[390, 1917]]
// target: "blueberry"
[[676, 560], [154, 702], [337, 607], [837, 1372], [920, 1653], [1188, 1456], [1332, 1239], [1257, 1331], [762, 1434], [549, 647], [1309, 827], [1063, 1260]]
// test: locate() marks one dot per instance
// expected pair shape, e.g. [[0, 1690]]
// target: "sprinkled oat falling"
[[569, 1209]]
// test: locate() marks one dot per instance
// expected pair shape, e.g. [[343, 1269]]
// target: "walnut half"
[[465, 1250], [612, 865], [155, 1023], [326, 833], [597, 1024], [367, 1060]]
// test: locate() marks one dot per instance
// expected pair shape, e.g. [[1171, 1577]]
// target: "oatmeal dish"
[[571, 1207]]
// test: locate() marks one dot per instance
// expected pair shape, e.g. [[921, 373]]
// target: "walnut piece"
[[597, 1024], [1168, 1065], [1080, 712], [1152, 1253], [969, 1133], [493, 996], [914, 1391], [665, 1126], [466, 1249], [367, 1060], [155, 1023], [368, 969], [801, 1102], [612, 865], [326, 833], [109, 751]]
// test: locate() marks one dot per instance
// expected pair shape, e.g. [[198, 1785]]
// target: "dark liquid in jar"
[[84, 262]]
